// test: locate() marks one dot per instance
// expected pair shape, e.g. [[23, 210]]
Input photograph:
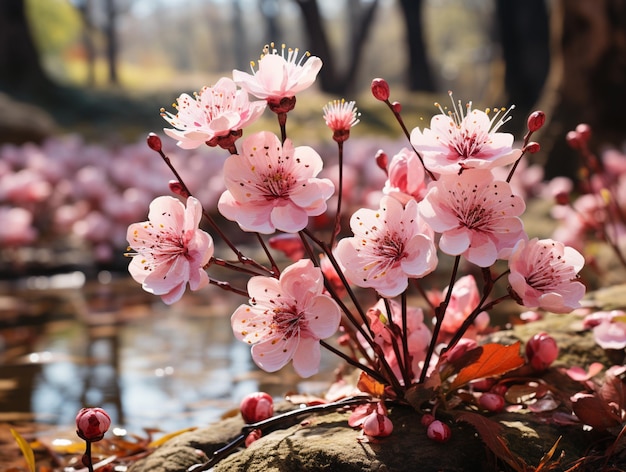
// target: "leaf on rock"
[[367, 384], [495, 359]]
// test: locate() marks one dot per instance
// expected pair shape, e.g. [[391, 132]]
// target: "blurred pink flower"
[[212, 114], [272, 187], [16, 226], [389, 246], [609, 328], [286, 319], [541, 351], [418, 335], [544, 275], [170, 249], [464, 139], [464, 299], [405, 177], [476, 216], [279, 75]]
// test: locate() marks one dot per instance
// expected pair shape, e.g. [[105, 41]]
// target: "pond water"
[[67, 342]]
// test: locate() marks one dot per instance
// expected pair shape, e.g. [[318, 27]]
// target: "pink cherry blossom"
[[286, 319], [418, 335], [272, 187], [389, 246], [214, 113], [279, 75], [16, 226], [544, 275], [463, 300], [405, 177], [170, 249], [464, 139], [476, 216]]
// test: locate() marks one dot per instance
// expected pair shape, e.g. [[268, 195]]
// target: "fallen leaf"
[[495, 359], [27, 451]]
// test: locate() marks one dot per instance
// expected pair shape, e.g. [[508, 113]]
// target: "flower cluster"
[[449, 195]]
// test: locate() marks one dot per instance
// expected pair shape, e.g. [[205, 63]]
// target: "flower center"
[[288, 321]]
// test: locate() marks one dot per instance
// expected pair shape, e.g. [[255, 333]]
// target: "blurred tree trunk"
[[525, 39], [22, 74], [419, 74], [270, 10], [331, 79], [110, 32], [587, 79], [85, 9]]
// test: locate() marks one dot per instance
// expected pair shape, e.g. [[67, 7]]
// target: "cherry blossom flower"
[[92, 424], [389, 245], [464, 139], [279, 75], [476, 216], [170, 249], [272, 187], [16, 226], [544, 275], [405, 177], [286, 319], [340, 116], [212, 115]]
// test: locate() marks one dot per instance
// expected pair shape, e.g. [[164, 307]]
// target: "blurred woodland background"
[[105, 67]]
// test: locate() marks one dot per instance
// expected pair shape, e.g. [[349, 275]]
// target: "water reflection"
[[106, 343]]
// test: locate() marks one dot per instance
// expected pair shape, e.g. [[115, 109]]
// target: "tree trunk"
[[586, 81], [331, 79], [22, 74], [419, 74], [525, 40], [110, 31]]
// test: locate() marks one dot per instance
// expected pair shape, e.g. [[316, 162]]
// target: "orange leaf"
[[27, 451], [495, 359], [367, 384]]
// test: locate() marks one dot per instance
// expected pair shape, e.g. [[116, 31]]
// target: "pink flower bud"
[[380, 89], [573, 139], [177, 188], [377, 425], [154, 142], [438, 431], [427, 418], [253, 436], [482, 385], [382, 160], [92, 423], [256, 407], [397, 107], [541, 351], [532, 147], [499, 389], [584, 131], [536, 120], [491, 402]]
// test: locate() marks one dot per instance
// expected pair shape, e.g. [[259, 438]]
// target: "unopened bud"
[[253, 436], [178, 189], [382, 160], [380, 89], [491, 402], [377, 425], [438, 431], [536, 120], [397, 107], [532, 147], [573, 139], [256, 407], [154, 142], [584, 131], [427, 418], [541, 351], [92, 423]]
